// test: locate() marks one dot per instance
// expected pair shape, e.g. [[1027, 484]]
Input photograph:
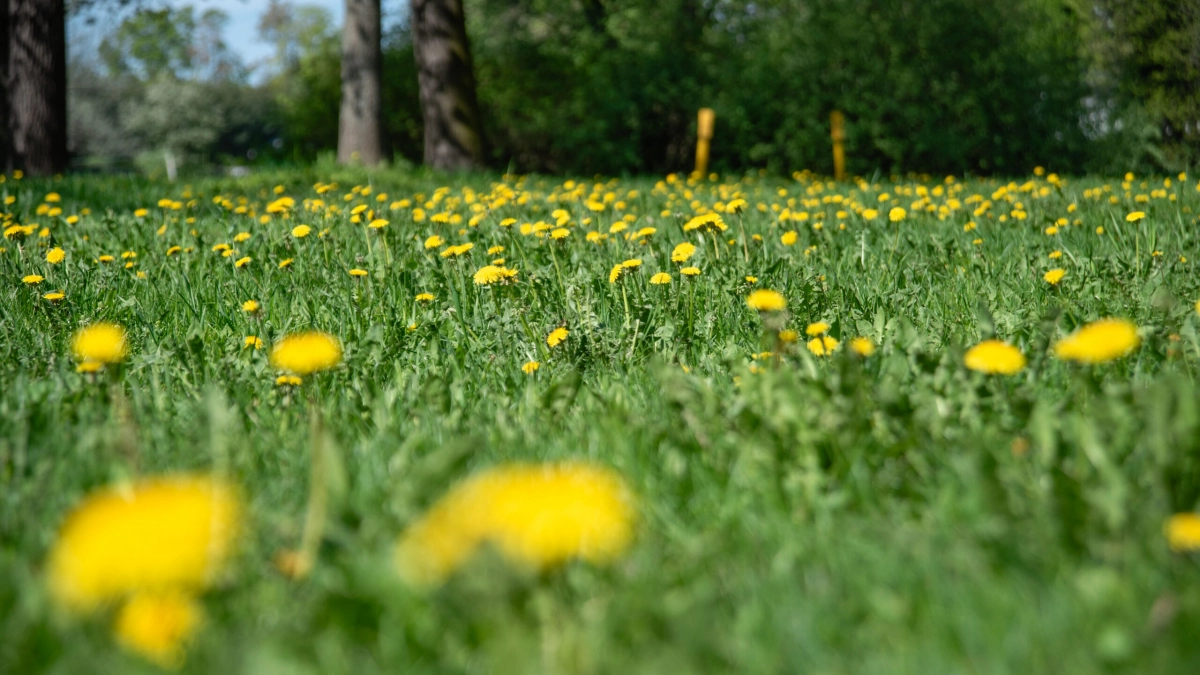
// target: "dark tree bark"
[[453, 137], [5, 157], [37, 65], [360, 124]]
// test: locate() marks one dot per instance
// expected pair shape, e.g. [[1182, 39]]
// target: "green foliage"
[[947, 86]]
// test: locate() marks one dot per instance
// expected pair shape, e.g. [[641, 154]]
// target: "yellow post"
[[704, 132], [838, 132]]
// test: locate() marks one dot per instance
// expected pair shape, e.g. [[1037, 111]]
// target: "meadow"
[[790, 452]]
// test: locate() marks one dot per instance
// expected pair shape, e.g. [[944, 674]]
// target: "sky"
[[241, 34]]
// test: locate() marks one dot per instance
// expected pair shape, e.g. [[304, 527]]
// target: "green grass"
[[892, 514]]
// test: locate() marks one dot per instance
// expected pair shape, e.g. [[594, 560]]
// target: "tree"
[[453, 139], [37, 61], [360, 122]]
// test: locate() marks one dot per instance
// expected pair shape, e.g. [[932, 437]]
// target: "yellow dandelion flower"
[[1055, 255], [752, 280], [863, 346], [822, 346], [557, 336], [765, 300], [1099, 341], [100, 343], [170, 532], [1054, 276], [356, 272], [1183, 532], [252, 341], [33, 279], [560, 233], [285, 263], [241, 237], [288, 381], [424, 297], [660, 279], [1135, 216], [306, 353], [683, 252], [789, 238], [530, 367], [994, 357], [706, 222], [173, 250], [818, 328], [434, 241], [54, 296], [158, 626], [377, 224], [870, 214], [301, 231], [242, 262], [897, 214], [55, 255], [690, 271], [251, 306], [491, 274], [535, 516]]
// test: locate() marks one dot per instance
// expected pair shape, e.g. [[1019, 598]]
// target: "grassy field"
[[895, 512]]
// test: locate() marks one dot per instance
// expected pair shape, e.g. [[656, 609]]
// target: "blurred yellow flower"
[[822, 346], [100, 343], [1183, 532], [660, 279], [357, 272], [424, 297], [682, 252], [306, 353], [530, 367], [818, 328], [863, 346], [301, 231], [556, 336], [536, 516], [158, 625], [788, 238], [765, 300], [33, 279], [169, 532], [252, 341], [250, 306], [1135, 216], [434, 242], [706, 222], [1054, 276], [55, 255], [994, 357], [1099, 341], [897, 214], [491, 274], [690, 271]]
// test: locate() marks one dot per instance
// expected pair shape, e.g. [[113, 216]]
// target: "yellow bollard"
[[838, 132], [704, 132]]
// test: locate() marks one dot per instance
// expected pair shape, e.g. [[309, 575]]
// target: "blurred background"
[[613, 86]]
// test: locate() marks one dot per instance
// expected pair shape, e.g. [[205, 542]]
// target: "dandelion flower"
[[491, 274], [994, 357], [306, 353], [765, 300], [158, 626], [377, 224], [1054, 276], [683, 252], [356, 272], [752, 280], [251, 306], [530, 367], [818, 328], [690, 271], [33, 279], [1135, 216], [54, 296], [1055, 255], [870, 214], [660, 279], [822, 346], [434, 242], [242, 262], [100, 343], [424, 297], [897, 214], [171, 532], [556, 336], [285, 263], [55, 255], [863, 346], [705, 223], [1099, 341], [288, 381], [558, 234], [789, 238], [535, 516], [1183, 532], [252, 341], [301, 231]]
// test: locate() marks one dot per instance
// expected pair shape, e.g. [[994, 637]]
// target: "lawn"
[[840, 498]]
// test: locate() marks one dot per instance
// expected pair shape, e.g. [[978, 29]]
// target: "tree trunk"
[[453, 138], [37, 63], [360, 124], [5, 157]]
